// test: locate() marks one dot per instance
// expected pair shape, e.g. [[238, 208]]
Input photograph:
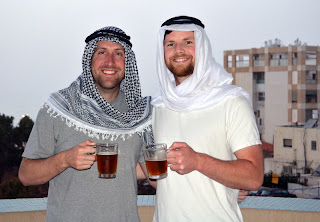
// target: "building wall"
[[269, 165], [244, 80], [281, 81], [313, 156], [146, 215], [300, 155], [276, 105]]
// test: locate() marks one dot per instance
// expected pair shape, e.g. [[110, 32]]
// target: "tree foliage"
[[12, 144], [6, 142], [13, 140]]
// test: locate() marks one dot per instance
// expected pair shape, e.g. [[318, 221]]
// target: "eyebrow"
[[118, 49], [122, 49], [187, 38]]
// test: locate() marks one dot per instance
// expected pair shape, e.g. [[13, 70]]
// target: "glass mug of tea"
[[155, 156], [107, 160]]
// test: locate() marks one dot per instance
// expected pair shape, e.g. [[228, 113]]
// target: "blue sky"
[[42, 42]]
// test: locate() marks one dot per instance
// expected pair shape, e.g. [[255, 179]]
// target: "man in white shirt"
[[208, 124]]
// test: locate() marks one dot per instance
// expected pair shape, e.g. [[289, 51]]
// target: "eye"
[[119, 53], [169, 44], [189, 42], [101, 52]]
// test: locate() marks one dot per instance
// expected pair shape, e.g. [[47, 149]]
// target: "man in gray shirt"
[[103, 105]]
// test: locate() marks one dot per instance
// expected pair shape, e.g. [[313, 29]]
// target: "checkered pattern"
[[82, 100]]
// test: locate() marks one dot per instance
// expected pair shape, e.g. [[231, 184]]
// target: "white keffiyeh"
[[207, 86]]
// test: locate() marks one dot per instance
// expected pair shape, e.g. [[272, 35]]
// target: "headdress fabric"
[[207, 86], [183, 20], [83, 107]]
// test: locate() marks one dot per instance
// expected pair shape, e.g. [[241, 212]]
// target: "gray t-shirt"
[[80, 195]]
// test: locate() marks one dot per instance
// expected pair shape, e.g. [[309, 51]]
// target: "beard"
[[107, 84], [180, 70]]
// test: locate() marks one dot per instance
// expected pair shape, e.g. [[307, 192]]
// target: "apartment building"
[[283, 82], [297, 149]]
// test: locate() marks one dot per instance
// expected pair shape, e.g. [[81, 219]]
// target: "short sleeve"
[[242, 129], [41, 141]]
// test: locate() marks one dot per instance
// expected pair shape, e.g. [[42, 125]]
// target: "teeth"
[[109, 72], [180, 60]]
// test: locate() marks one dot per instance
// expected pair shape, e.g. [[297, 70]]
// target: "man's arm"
[[40, 171], [244, 173], [142, 174]]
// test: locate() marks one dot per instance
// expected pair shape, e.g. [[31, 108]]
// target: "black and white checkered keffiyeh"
[[86, 110]]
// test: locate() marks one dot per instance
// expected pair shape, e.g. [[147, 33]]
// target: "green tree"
[[12, 143], [20, 137], [22, 131], [6, 141]]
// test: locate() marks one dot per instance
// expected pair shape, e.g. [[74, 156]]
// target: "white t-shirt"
[[219, 132]]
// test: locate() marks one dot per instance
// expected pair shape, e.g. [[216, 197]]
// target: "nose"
[[179, 48], [109, 60]]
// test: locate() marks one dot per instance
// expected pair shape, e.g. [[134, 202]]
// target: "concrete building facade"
[[283, 82], [296, 149]]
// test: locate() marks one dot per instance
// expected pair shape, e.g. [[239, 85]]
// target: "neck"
[[180, 79], [109, 94]]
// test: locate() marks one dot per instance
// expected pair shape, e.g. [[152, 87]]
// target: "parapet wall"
[[146, 214]]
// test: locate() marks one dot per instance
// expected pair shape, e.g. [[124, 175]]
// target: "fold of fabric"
[[207, 86]]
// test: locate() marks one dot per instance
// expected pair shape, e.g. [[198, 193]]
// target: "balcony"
[[265, 208], [242, 61], [240, 64], [311, 62], [258, 63], [278, 62], [311, 81], [258, 60], [311, 58]]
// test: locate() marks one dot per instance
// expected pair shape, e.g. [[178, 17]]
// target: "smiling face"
[[108, 68], [179, 54]]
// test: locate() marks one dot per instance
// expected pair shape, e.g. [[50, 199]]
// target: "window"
[[311, 77], [242, 61], [258, 77], [311, 96], [294, 77], [261, 96], [279, 59], [294, 96], [229, 61], [308, 114], [311, 58], [313, 145], [295, 116], [287, 142], [287, 170], [258, 60], [294, 58]]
